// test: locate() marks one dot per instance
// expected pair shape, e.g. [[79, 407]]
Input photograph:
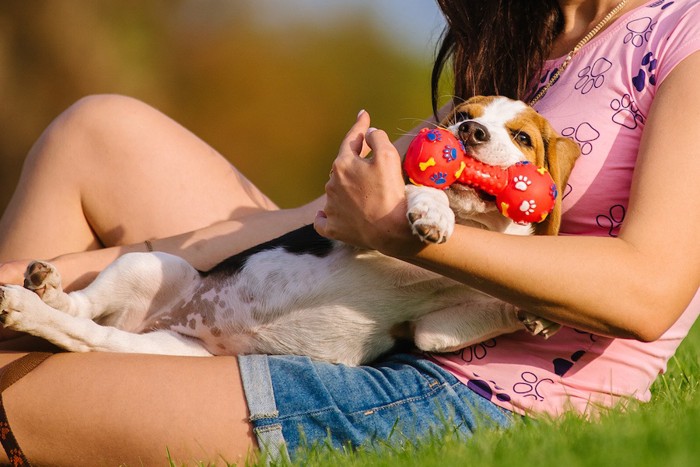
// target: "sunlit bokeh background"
[[297, 70]]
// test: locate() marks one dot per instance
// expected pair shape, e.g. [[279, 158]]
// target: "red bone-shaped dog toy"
[[524, 193]]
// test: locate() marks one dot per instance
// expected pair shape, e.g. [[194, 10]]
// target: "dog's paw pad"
[[41, 277], [428, 233], [431, 226]]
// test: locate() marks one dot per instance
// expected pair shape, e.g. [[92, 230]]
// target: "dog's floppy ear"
[[559, 158]]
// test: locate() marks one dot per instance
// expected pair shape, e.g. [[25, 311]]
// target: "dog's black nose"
[[473, 133]]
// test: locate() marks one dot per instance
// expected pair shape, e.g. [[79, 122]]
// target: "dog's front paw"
[[429, 214]]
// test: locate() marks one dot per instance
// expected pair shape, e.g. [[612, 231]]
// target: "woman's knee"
[[90, 122], [100, 115]]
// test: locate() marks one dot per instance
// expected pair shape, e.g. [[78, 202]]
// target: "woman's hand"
[[13, 272], [365, 196]]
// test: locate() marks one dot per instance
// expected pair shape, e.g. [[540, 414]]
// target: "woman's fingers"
[[363, 195], [354, 141]]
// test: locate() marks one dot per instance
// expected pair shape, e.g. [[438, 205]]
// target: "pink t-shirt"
[[601, 101]]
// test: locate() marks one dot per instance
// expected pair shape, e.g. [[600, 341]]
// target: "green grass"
[[664, 432]]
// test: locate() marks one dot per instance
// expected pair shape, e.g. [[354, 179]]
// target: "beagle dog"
[[302, 293]]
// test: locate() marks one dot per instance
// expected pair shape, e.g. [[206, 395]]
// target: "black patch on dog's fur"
[[304, 240]]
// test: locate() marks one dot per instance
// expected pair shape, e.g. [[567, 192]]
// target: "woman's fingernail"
[[359, 114], [371, 130]]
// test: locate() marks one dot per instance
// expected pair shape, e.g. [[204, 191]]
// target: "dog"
[[304, 294]]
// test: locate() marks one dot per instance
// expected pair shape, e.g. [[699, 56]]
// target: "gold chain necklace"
[[557, 73]]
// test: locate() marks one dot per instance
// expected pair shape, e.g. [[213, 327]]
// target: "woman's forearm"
[[615, 288], [203, 248], [207, 247]]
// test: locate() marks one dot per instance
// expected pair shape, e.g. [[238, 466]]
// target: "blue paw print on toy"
[[449, 153], [553, 192], [433, 135], [439, 178]]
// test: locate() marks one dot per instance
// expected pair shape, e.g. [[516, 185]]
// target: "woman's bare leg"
[[112, 171], [108, 409]]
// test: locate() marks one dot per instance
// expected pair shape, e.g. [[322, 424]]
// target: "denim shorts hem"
[[260, 397], [295, 402]]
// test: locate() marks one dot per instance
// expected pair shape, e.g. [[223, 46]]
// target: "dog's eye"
[[522, 138], [461, 117]]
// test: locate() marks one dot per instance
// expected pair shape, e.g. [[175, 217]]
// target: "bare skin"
[[653, 280], [94, 188], [365, 207]]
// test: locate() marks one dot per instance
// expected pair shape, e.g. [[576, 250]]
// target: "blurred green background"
[[299, 70]]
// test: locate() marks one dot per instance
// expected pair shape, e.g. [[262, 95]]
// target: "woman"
[[622, 288]]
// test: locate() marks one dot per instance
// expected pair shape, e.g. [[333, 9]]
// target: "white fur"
[[341, 307]]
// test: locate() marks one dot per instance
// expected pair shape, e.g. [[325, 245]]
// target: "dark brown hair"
[[495, 47]]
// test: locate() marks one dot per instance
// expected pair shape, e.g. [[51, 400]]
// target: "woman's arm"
[[635, 285], [203, 248]]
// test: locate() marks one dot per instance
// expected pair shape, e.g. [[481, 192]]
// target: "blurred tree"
[[216, 68]]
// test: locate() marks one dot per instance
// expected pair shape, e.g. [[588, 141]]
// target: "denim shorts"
[[298, 402]]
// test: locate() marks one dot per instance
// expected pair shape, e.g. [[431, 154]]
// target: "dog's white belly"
[[284, 303]]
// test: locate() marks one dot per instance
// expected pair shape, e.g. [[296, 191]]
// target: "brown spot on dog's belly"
[[246, 295]]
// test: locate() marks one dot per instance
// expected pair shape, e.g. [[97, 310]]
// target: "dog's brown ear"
[[560, 157]]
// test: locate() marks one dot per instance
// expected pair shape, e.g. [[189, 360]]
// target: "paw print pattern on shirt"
[[648, 66], [592, 76], [567, 191], [639, 31], [612, 220], [486, 390], [528, 386], [476, 351], [662, 3], [584, 135], [626, 112], [562, 365]]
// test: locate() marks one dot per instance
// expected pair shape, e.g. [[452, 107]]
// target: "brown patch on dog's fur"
[[549, 150]]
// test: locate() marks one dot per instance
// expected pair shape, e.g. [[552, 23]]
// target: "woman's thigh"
[[112, 170], [109, 409]]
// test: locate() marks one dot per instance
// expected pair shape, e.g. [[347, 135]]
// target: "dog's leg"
[[22, 310], [459, 326], [123, 293], [43, 279], [429, 213]]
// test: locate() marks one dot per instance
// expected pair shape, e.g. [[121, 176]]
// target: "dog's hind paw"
[[43, 279], [9, 312]]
